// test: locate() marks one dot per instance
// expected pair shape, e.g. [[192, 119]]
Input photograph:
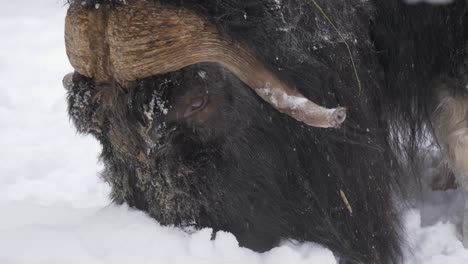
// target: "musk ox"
[[270, 119]]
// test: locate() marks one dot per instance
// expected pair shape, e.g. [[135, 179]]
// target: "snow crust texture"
[[38, 234], [55, 209]]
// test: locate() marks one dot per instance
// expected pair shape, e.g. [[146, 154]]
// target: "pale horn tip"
[[337, 117]]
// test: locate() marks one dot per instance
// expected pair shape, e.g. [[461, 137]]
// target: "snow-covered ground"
[[54, 208]]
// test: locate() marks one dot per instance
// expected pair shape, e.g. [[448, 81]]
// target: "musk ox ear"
[[126, 43], [81, 106], [88, 103]]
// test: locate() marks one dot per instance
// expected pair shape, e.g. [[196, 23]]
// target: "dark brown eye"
[[197, 104]]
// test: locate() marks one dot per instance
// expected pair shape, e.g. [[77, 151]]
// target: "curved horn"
[[142, 39]]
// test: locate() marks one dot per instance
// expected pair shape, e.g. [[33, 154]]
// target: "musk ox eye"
[[198, 96], [188, 107], [197, 103]]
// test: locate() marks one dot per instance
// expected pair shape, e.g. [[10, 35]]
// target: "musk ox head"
[[203, 116]]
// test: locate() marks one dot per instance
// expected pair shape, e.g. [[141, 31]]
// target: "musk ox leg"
[[451, 125]]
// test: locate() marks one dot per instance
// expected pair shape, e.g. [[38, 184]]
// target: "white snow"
[[55, 209], [202, 74], [38, 234], [43, 160]]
